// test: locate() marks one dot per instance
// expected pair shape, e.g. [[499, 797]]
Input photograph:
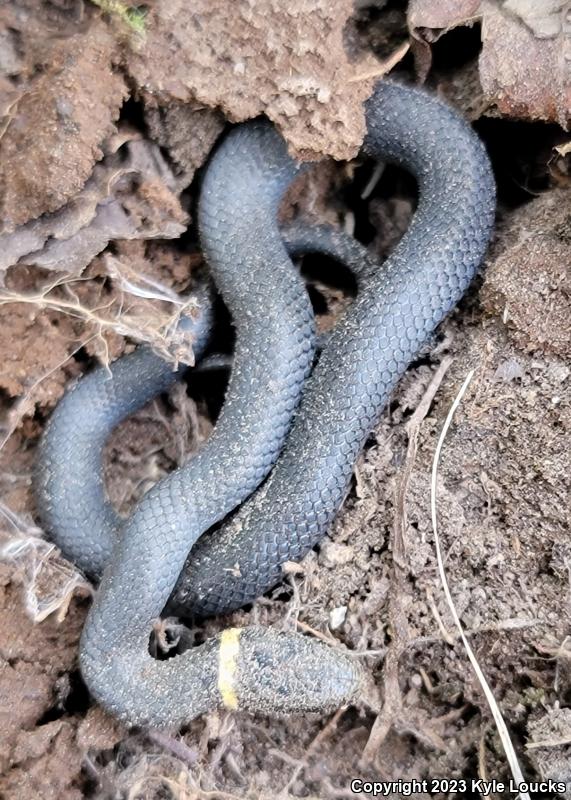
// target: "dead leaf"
[[522, 75], [522, 66], [69, 239], [430, 20]]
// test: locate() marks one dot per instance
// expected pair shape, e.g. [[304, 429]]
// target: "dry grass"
[[139, 308], [392, 712], [489, 695], [49, 581]]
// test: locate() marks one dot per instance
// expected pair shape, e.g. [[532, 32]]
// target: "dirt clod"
[[299, 76], [528, 285], [70, 106]]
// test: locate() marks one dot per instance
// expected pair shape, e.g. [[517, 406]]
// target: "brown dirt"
[[531, 275], [373, 584], [300, 76], [71, 100]]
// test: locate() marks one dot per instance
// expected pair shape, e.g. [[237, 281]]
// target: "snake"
[[266, 485], [73, 503]]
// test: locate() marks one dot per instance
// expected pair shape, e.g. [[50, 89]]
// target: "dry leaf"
[[523, 66], [68, 240]]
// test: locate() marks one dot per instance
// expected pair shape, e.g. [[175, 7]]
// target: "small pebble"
[[337, 617]]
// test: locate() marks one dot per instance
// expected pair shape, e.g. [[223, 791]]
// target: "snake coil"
[[396, 310]]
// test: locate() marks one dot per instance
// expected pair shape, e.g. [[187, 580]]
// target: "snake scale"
[[291, 435]]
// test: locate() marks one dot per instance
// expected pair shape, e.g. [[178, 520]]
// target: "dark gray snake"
[[397, 308]]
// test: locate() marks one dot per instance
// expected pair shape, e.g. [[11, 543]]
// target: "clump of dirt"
[[529, 283], [265, 58], [93, 268], [187, 132], [549, 730], [54, 131], [39, 755], [24, 333], [131, 194]]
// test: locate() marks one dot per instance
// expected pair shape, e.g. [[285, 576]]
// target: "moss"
[[131, 16]]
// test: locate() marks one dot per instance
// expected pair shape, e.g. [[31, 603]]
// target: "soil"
[[108, 119]]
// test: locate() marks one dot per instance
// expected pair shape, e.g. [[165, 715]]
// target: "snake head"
[[283, 673]]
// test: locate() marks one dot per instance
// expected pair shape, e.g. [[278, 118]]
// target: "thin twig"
[[565, 740], [384, 66], [178, 747]]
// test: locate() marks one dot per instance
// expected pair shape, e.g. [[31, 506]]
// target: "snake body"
[[72, 501], [396, 309]]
